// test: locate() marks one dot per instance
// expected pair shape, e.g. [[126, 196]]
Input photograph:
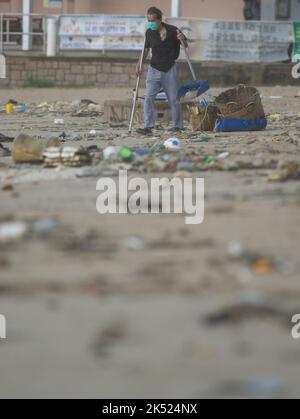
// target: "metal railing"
[[11, 31]]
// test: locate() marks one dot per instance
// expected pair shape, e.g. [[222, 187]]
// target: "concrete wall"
[[15, 6], [214, 9], [115, 72], [128, 6], [231, 9], [211, 9]]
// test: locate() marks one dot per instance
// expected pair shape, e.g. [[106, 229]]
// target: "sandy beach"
[[145, 306]]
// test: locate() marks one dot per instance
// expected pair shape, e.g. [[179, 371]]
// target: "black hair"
[[155, 11]]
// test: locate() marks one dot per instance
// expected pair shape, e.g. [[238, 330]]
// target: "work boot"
[[144, 131], [176, 129]]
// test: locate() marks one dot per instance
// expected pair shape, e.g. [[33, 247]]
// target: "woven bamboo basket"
[[203, 118], [242, 102]]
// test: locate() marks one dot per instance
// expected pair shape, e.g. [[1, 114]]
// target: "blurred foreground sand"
[[89, 317]]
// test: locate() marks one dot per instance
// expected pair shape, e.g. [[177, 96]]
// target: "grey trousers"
[[155, 80]]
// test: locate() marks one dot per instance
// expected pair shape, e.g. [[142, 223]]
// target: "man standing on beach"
[[164, 41]]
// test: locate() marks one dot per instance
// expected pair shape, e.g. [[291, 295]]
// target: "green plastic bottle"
[[126, 154], [210, 160]]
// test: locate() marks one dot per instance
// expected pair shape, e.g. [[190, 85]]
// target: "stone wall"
[[117, 72]]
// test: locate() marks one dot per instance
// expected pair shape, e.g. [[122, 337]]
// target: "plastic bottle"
[[59, 121], [173, 144], [210, 160], [110, 151], [126, 154], [95, 133]]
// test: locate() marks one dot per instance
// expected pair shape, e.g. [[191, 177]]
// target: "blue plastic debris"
[[207, 100], [141, 152], [236, 125], [201, 86]]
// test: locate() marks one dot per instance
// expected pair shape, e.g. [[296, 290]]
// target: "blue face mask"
[[153, 26]]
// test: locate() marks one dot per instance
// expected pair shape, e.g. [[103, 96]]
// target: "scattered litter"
[[12, 231], [223, 155], [158, 165], [6, 139], [7, 187], [235, 249], [141, 152], [59, 121], [260, 264], [126, 154], [9, 108], [70, 137], [95, 133], [186, 166], [276, 117], [285, 171], [173, 144], [111, 151], [207, 100], [133, 243], [252, 305], [85, 113], [210, 160], [263, 266], [43, 105], [24, 107], [93, 149], [87, 102], [67, 156], [13, 102], [30, 149], [109, 336], [44, 226], [200, 139], [158, 147]]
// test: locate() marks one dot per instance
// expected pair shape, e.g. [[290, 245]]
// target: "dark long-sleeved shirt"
[[164, 53]]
